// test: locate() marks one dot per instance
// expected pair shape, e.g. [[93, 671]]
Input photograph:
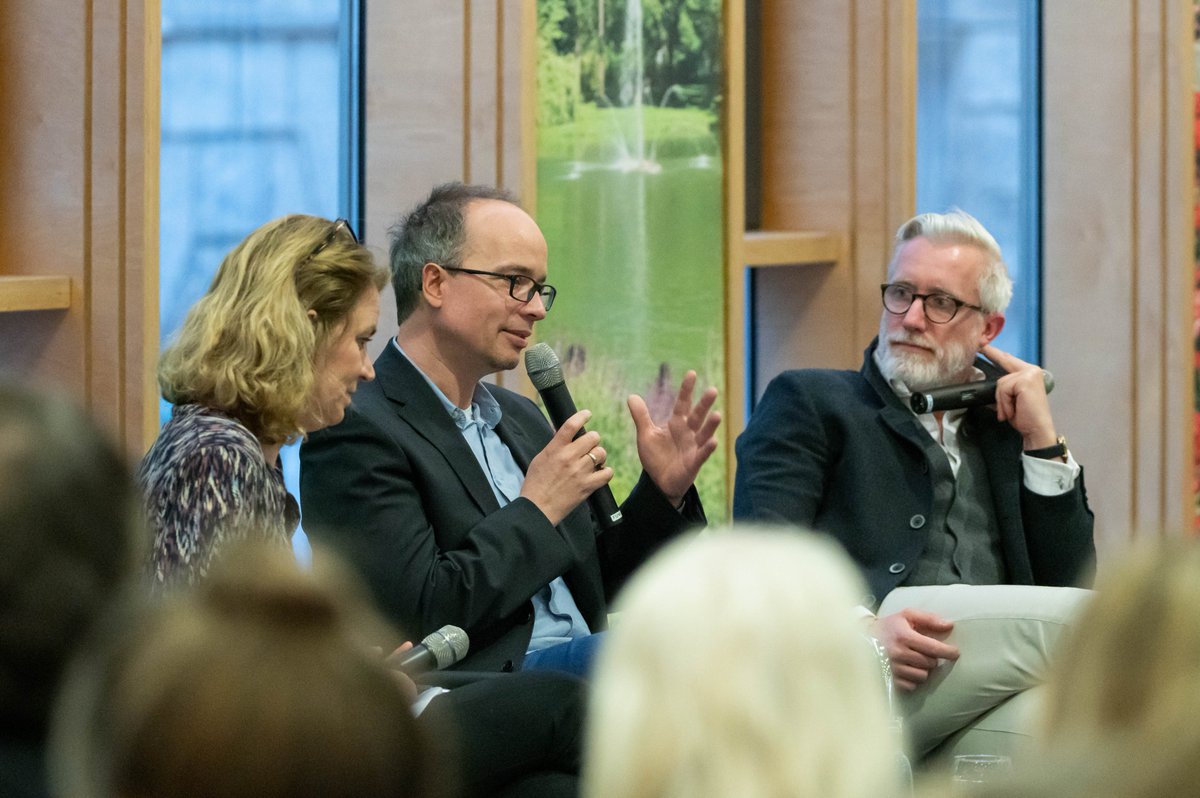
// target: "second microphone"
[[545, 372]]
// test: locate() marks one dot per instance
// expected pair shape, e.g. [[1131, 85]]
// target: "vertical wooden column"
[[837, 88], [446, 85], [79, 128], [1117, 263]]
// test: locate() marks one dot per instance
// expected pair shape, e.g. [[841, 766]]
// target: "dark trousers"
[[517, 735]]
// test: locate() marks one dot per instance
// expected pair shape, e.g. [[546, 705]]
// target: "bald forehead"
[[479, 212], [505, 236]]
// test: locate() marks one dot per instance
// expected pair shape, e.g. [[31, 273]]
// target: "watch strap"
[[1059, 449]]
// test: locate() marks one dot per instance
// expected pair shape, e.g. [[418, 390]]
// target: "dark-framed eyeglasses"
[[939, 307], [520, 287], [338, 226]]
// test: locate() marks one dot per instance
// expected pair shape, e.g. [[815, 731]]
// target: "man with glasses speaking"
[[969, 524], [455, 499]]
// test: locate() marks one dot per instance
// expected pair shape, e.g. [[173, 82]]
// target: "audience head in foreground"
[[1119, 718], [1125, 697], [1144, 608], [736, 667], [256, 683], [272, 351], [68, 540]]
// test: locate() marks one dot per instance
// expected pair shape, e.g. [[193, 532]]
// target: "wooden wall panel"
[[1117, 265], [483, 94], [78, 126], [838, 87], [804, 314], [444, 93]]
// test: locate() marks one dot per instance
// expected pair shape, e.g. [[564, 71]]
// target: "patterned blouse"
[[206, 483]]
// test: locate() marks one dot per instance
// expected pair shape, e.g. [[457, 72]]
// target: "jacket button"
[[896, 567], [507, 667], [917, 521], [528, 617]]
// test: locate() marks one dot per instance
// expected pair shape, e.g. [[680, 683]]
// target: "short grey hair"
[[959, 227]]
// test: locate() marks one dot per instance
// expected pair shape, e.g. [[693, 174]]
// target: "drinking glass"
[[974, 771]]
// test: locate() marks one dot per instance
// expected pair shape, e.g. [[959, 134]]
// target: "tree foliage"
[[681, 48]]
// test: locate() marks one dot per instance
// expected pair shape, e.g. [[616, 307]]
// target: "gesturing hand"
[[672, 454]]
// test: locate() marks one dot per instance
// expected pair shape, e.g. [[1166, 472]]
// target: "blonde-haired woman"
[[272, 351], [736, 667]]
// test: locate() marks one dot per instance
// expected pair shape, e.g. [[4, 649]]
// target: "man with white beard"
[[969, 525]]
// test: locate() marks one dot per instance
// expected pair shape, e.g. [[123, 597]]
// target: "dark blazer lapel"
[[419, 407]]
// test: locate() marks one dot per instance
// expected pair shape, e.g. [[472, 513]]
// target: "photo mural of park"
[[629, 198]]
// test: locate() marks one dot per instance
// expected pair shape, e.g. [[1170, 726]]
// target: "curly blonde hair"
[[248, 346]]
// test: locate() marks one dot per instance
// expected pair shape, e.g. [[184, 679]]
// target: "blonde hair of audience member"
[[1145, 605], [1119, 717], [249, 347], [736, 667], [257, 683]]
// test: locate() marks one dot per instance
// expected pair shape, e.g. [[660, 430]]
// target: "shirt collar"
[[484, 406]]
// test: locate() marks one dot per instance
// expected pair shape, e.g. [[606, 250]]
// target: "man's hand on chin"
[[1021, 399]]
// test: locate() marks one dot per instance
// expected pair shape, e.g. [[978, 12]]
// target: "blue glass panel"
[[977, 136], [254, 112]]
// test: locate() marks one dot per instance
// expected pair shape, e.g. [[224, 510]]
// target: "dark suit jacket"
[[839, 452], [396, 489]]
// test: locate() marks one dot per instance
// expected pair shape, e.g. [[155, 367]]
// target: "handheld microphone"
[[437, 651], [545, 373], [968, 394]]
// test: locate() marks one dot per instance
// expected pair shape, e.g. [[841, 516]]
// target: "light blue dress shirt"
[[556, 617]]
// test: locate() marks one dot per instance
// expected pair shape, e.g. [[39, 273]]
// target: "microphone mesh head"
[[543, 367], [448, 645]]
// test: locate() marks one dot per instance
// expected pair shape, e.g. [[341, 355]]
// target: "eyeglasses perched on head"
[[520, 287], [338, 226], [939, 307]]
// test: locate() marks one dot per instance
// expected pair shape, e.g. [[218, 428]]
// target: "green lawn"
[[636, 254]]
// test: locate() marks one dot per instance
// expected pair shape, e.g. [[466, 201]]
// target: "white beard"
[[918, 371]]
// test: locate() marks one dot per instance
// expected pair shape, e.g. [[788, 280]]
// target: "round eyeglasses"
[[939, 307]]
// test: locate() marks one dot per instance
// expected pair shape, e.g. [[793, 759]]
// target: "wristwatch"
[[1058, 450]]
